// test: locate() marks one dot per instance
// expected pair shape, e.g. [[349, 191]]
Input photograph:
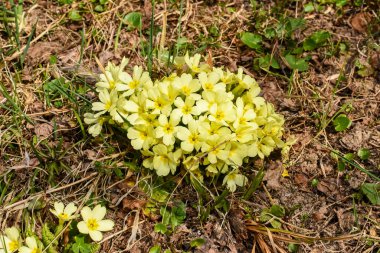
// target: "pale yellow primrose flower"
[[93, 223], [64, 213], [165, 161], [10, 242], [185, 109], [113, 76], [108, 102], [244, 115], [141, 136], [234, 179], [95, 129], [193, 62], [223, 113], [188, 86], [167, 129], [158, 102], [138, 80], [190, 137], [210, 82], [31, 246]]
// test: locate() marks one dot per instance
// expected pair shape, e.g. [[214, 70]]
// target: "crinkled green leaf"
[[133, 20], [372, 191], [341, 123], [364, 153], [197, 242], [297, 63], [252, 40]]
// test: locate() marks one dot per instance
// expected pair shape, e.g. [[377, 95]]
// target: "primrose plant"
[[92, 224], [207, 120]]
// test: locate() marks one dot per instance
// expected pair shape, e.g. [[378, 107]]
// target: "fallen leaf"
[[345, 219], [360, 21], [132, 204], [43, 130], [41, 51], [327, 187], [301, 180], [320, 214]]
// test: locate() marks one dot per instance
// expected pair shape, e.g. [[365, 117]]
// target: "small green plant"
[[341, 122], [272, 215], [372, 192], [364, 153], [171, 218]]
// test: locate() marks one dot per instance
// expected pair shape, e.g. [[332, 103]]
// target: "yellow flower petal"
[[82, 227], [99, 212], [96, 236], [106, 225]]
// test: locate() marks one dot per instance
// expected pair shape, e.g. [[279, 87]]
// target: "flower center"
[[219, 115], [108, 105], [92, 224], [63, 216], [186, 109], [168, 128], [13, 246], [209, 86], [186, 90], [133, 84], [112, 84]]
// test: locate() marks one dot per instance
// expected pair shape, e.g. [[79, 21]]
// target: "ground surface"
[[46, 155]]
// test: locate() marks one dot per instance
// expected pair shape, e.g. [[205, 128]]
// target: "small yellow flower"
[[193, 62], [234, 179], [210, 82], [64, 213], [10, 242], [93, 223], [164, 160], [96, 128], [32, 246]]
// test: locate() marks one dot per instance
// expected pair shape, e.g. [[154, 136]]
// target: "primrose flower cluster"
[[206, 119], [92, 224]]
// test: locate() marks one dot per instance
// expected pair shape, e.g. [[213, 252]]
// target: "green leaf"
[[372, 191], [178, 214], [294, 63], [341, 123], [166, 215], [266, 62], [341, 165], [155, 249], [293, 248], [349, 156], [75, 15], [291, 25], [252, 40], [160, 228], [309, 7], [99, 8], [364, 153], [197, 242], [316, 40], [133, 20], [80, 246], [277, 210]]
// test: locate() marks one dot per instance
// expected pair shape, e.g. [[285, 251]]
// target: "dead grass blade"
[[293, 236]]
